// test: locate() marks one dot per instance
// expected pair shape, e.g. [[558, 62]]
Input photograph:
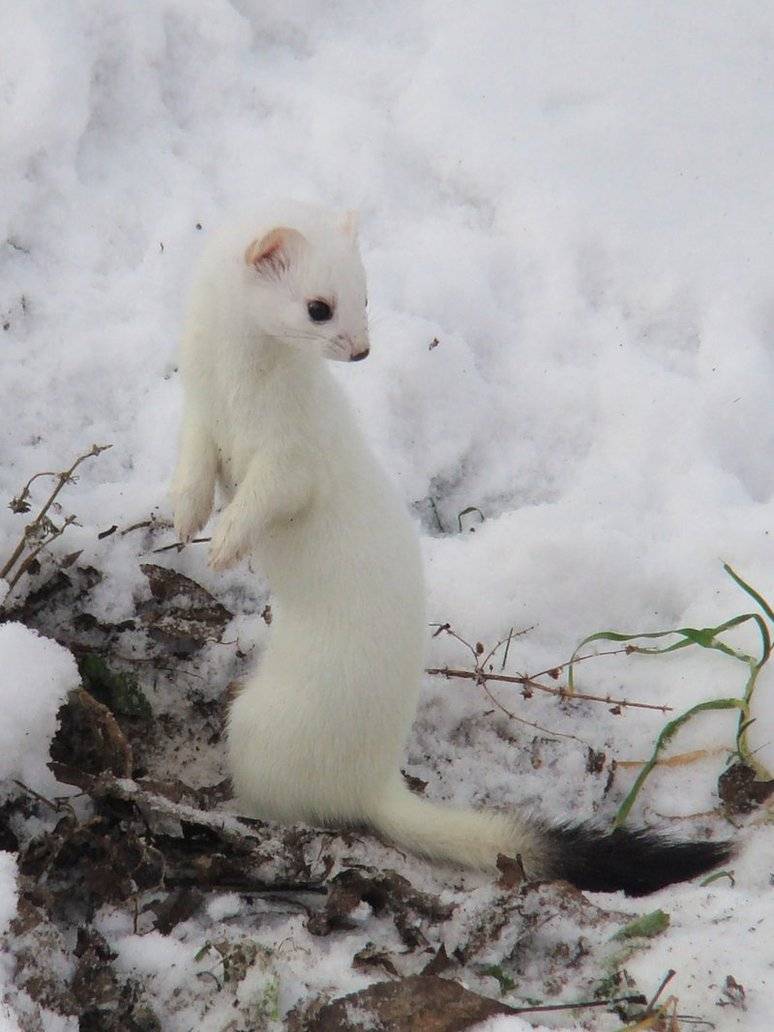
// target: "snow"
[[8, 906], [37, 674], [575, 201], [221, 907], [508, 1024], [7, 889]]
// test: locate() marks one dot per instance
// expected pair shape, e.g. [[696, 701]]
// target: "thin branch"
[[249, 888], [63, 478], [57, 805], [447, 629], [578, 1004], [530, 723], [481, 676], [57, 532], [507, 647], [554, 671], [664, 981], [496, 648], [137, 526], [180, 545], [529, 681], [67, 476], [22, 497]]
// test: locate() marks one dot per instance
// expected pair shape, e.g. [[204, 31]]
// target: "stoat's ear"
[[274, 253], [350, 223]]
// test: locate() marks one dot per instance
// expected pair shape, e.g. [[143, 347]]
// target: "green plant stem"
[[667, 733]]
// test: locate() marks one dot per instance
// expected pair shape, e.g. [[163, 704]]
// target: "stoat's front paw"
[[192, 510], [229, 542]]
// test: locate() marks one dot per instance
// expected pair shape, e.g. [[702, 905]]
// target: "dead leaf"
[[739, 790], [420, 1003], [181, 614], [371, 957], [383, 891], [439, 963], [415, 784], [511, 872], [89, 737]]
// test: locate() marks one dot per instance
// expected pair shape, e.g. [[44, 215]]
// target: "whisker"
[[303, 336]]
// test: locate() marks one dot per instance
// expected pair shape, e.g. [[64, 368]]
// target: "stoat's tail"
[[638, 862]]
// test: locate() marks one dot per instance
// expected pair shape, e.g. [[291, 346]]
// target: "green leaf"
[[667, 732], [707, 638], [645, 927], [750, 591], [120, 692], [507, 984], [718, 874]]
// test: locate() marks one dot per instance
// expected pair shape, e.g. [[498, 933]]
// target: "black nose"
[[360, 355]]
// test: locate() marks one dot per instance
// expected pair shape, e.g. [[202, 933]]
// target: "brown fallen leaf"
[[176, 908], [511, 871], [371, 957], [382, 891], [181, 614], [420, 1003], [740, 791], [415, 784], [90, 738], [439, 963]]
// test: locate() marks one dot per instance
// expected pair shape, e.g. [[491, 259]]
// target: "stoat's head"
[[306, 287]]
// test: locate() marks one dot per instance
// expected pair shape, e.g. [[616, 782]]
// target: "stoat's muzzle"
[[346, 348]]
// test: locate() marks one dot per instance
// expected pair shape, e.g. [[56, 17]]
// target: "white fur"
[[319, 730]]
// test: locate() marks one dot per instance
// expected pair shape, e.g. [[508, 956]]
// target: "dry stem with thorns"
[[483, 672], [42, 530]]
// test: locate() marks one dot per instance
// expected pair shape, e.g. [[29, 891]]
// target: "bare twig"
[[577, 1004], [530, 723], [481, 676], [180, 545], [556, 670], [56, 804], [55, 533], [503, 641], [664, 981], [482, 671], [447, 629], [434, 507], [505, 654], [41, 521], [138, 526], [25, 491], [249, 888]]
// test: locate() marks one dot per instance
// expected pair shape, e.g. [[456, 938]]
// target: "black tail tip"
[[637, 862]]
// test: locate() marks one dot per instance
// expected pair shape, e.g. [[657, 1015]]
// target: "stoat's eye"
[[319, 310]]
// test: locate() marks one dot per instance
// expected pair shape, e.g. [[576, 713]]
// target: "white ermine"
[[318, 733]]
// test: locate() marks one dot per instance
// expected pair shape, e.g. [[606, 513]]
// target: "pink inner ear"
[[264, 250], [274, 252]]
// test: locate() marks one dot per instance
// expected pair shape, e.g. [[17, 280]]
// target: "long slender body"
[[319, 730]]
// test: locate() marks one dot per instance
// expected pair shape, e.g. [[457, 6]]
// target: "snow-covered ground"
[[568, 225]]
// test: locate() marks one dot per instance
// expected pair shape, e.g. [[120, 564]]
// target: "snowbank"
[[35, 677]]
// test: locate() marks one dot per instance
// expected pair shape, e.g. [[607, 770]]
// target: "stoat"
[[318, 733]]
